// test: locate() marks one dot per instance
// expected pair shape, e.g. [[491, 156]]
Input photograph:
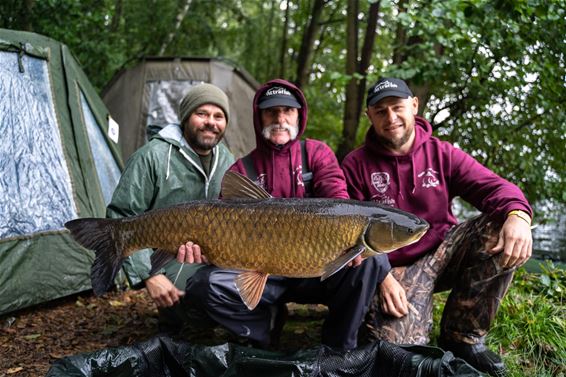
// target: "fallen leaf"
[[14, 370], [116, 303], [31, 336]]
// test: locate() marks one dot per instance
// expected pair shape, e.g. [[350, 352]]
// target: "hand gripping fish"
[[251, 231]]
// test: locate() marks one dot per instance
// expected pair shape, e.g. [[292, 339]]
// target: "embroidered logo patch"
[[429, 178], [380, 180]]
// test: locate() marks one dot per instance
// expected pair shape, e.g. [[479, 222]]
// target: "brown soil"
[[33, 338]]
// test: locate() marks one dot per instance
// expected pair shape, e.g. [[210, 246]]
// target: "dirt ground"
[[33, 338]]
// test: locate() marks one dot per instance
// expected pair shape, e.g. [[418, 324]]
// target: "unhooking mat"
[[164, 356]]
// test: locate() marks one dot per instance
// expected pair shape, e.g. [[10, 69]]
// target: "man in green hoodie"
[[181, 163]]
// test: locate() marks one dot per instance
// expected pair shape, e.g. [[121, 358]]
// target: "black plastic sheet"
[[164, 356]]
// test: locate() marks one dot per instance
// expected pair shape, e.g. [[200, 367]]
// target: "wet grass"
[[530, 328]]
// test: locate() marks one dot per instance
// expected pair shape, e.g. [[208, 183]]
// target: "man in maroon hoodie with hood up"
[[402, 165], [280, 119]]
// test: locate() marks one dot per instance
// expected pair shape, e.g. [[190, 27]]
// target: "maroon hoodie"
[[279, 169], [424, 182]]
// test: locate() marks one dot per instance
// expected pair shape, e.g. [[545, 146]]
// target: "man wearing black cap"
[[288, 168], [402, 165]]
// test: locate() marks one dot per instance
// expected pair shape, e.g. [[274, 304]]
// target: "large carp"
[[251, 231]]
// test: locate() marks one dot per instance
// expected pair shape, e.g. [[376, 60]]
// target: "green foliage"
[[530, 325], [496, 76], [490, 72]]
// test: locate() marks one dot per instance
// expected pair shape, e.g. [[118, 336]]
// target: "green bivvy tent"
[[144, 98], [59, 160]]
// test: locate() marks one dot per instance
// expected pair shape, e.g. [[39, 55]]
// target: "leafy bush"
[[530, 328]]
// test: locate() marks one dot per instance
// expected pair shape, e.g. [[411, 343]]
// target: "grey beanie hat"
[[200, 95]]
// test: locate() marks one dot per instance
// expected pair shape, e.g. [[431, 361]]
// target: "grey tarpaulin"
[[164, 356]]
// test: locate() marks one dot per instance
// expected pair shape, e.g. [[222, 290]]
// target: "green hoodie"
[[164, 172]]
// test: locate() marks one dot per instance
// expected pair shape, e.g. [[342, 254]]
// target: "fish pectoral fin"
[[339, 263], [159, 258], [237, 186], [250, 285]]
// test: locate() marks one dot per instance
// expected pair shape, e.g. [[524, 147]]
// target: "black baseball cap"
[[278, 96], [387, 87]]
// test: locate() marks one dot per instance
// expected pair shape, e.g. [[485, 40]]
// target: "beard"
[[396, 143], [198, 141], [293, 130]]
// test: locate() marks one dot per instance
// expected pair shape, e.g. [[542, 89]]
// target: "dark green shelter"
[[59, 160]]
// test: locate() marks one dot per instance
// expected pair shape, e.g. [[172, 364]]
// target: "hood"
[[303, 111], [423, 132], [172, 134]]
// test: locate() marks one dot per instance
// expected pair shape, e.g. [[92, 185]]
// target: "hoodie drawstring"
[[168, 162], [414, 174], [399, 181]]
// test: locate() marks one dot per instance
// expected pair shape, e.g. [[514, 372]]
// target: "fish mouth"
[[421, 230]]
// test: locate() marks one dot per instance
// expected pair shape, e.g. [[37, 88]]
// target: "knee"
[[375, 268], [213, 286]]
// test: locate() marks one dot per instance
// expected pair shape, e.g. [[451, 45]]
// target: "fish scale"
[[225, 235], [259, 235]]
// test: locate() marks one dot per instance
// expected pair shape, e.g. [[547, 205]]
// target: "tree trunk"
[[351, 104], [284, 40], [367, 52], [400, 37], [115, 24], [28, 11], [269, 68], [356, 88], [307, 44], [178, 21]]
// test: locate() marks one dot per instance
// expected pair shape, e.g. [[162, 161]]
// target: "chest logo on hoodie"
[[380, 180], [429, 177]]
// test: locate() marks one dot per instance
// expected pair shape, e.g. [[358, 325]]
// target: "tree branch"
[[178, 21], [284, 41], [306, 49], [115, 24], [367, 52]]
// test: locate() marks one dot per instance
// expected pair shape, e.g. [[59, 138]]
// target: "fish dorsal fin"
[[250, 285], [237, 186], [339, 263]]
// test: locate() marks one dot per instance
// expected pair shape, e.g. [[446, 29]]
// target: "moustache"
[[293, 130], [210, 128]]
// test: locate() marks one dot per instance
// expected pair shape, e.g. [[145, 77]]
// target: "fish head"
[[391, 231]]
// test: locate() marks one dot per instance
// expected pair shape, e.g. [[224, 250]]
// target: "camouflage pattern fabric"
[[461, 264]]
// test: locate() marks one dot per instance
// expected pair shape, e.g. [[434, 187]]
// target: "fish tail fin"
[[96, 234]]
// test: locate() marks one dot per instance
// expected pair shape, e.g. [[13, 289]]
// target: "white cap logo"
[[277, 91], [384, 85]]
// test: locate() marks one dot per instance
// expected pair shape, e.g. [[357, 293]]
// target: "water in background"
[[549, 236]]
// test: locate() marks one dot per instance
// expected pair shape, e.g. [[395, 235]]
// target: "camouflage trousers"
[[460, 264]]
